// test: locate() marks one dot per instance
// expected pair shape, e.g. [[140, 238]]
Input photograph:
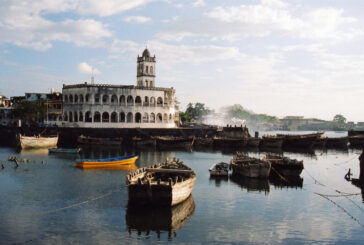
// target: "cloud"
[[268, 18], [138, 19], [87, 69], [198, 3]]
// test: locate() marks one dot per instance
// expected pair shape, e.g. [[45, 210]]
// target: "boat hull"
[[230, 142], [253, 142], [341, 142], [260, 170], [98, 163], [37, 142], [271, 143]]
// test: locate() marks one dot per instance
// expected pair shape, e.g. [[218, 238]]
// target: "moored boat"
[[113, 162], [87, 140], [203, 142], [63, 150], [250, 167], [320, 142], [144, 142], [253, 142], [163, 184], [270, 141], [230, 142], [169, 142], [298, 140], [356, 141], [284, 165], [25, 142], [219, 169], [337, 142]]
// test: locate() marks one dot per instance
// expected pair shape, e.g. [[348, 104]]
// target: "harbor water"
[[47, 200]]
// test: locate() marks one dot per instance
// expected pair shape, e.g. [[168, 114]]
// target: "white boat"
[[219, 169], [37, 141]]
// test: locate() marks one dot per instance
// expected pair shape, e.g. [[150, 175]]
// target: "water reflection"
[[218, 179], [159, 219], [251, 184], [288, 182]]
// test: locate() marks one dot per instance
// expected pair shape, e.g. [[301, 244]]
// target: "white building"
[[121, 106]]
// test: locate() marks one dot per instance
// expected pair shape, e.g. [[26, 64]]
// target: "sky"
[[279, 57]]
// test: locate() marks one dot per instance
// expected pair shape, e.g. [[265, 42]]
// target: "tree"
[[194, 111], [340, 119]]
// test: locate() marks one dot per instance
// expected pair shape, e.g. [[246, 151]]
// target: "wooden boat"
[[167, 142], [230, 142], [356, 141], [25, 142], [284, 165], [169, 219], [219, 169], [253, 142], [320, 142], [87, 140], [144, 142], [63, 150], [163, 184], [113, 162], [271, 142], [250, 167], [203, 142], [298, 140], [337, 142]]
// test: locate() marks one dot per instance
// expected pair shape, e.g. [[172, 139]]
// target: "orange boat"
[[115, 162]]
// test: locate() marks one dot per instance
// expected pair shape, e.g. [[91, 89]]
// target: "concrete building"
[[121, 106]]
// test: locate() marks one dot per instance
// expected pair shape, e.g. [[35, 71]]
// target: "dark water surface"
[[32, 198]]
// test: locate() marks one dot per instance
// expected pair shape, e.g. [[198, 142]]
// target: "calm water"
[[221, 211]]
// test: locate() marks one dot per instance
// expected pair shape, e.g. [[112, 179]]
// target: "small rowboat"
[[106, 162], [63, 150], [36, 142]]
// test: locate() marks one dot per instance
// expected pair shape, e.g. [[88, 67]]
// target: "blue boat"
[[63, 150], [106, 162]]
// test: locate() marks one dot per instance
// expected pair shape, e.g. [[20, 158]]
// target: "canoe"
[[36, 142], [163, 184], [106, 162], [63, 150], [219, 169], [250, 167]]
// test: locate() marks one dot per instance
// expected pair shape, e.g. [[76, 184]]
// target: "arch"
[[88, 117], [146, 101], [159, 118], [129, 117], [122, 100], [114, 99], [105, 117], [70, 116], [165, 118], [114, 117], [80, 116], [170, 117], [159, 101], [65, 117], [146, 83], [152, 118], [71, 98], [122, 117], [151, 70], [138, 117], [130, 100], [65, 99], [81, 99], [138, 101], [145, 117], [75, 117], [87, 98], [146, 69], [152, 101], [97, 116], [97, 98], [76, 98], [105, 99]]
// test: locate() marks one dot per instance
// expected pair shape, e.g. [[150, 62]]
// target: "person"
[[361, 175]]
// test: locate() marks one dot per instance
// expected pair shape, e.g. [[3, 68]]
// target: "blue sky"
[[299, 57]]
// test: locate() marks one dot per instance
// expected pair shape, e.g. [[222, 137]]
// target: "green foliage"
[[30, 110], [194, 111], [238, 111], [339, 119]]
